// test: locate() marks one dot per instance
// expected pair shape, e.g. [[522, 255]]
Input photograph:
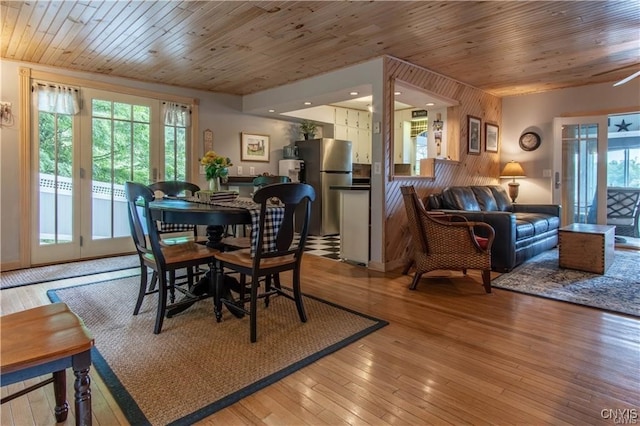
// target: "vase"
[[214, 184]]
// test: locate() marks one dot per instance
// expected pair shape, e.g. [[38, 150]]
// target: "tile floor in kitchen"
[[328, 246]]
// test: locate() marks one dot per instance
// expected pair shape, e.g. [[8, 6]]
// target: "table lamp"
[[513, 170]]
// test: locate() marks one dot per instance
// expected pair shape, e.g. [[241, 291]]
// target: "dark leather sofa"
[[521, 230]]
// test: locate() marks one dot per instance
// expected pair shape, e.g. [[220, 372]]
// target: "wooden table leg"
[[214, 235], [60, 392], [81, 364]]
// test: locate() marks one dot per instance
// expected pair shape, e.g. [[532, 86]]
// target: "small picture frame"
[[491, 137], [474, 134], [254, 147], [207, 141]]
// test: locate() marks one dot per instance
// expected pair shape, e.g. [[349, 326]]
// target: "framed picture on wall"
[[254, 147], [474, 134], [207, 141], [491, 137]]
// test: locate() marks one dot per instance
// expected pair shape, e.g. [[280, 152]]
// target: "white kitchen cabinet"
[[354, 229], [341, 116], [364, 120], [352, 135], [364, 146], [355, 126], [340, 132]]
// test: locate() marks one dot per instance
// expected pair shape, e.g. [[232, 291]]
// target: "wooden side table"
[[48, 339], [587, 247]]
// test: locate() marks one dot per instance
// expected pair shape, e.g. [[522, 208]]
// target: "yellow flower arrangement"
[[216, 166]]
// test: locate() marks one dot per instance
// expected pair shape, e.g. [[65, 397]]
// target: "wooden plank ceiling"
[[503, 47]]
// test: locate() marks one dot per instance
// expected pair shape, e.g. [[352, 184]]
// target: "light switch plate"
[[202, 170], [546, 173], [377, 168], [252, 171], [376, 127], [239, 170]]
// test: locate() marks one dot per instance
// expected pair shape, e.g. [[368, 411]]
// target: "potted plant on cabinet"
[[308, 129]]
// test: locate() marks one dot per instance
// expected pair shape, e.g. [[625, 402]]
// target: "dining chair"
[[233, 241], [282, 252], [446, 242], [175, 188], [160, 258]]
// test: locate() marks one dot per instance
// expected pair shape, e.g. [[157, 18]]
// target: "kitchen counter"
[[351, 187], [360, 180], [240, 180]]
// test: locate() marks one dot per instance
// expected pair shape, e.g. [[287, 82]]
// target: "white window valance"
[[176, 114], [57, 98]]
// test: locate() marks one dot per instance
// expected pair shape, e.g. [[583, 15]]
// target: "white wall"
[[536, 112], [218, 112]]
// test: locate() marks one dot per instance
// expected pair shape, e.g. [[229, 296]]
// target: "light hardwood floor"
[[451, 354]]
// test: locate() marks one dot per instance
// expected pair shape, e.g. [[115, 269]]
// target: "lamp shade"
[[512, 169]]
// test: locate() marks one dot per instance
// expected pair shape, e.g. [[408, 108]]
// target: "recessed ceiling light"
[[272, 110], [307, 103], [430, 104], [397, 93], [354, 93]]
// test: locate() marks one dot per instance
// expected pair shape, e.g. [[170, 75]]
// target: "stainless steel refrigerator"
[[327, 162]]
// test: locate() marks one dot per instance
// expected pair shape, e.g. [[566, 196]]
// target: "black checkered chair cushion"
[[164, 227]]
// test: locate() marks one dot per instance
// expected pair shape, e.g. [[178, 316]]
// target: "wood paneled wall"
[[482, 169]]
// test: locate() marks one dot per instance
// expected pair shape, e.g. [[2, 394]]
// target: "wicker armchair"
[[440, 242]]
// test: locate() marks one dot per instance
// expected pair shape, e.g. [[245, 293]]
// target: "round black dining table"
[[193, 213]]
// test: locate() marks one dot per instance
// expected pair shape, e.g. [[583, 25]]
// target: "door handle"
[[557, 180]]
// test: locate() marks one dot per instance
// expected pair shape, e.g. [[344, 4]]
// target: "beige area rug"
[[196, 366], [10, 279], [618, 290]]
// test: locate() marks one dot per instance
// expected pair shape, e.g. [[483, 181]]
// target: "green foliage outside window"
[[56, 144], [121, 141], [623, 168]]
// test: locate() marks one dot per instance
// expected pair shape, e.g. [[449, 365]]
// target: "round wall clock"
[[529, 141]]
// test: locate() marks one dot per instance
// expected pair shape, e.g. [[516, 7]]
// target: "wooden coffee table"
[[587, 247]]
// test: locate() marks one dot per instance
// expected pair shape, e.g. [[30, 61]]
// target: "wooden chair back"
[[261, 181], [141, 223], [294, 197], [174, 188]]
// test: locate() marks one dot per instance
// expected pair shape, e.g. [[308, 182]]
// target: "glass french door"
[[120, 129], [84, 161], [54, 196], [580, 165]]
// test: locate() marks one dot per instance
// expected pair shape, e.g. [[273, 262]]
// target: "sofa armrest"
[[550, 209]]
